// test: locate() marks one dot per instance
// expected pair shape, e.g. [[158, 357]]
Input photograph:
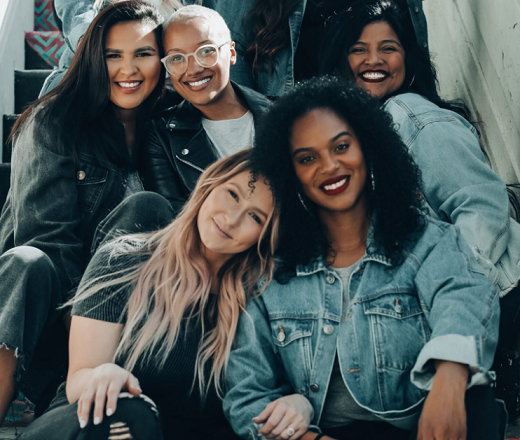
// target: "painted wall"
[[16, 17], [476, 47]]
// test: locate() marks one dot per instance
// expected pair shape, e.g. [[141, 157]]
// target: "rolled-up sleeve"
[[76, 16], [462, 310]]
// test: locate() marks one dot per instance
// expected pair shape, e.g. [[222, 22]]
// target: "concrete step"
[[27, 86]]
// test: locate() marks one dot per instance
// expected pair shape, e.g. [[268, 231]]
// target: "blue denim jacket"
[[282, 79], [437, 304], [459, 185]]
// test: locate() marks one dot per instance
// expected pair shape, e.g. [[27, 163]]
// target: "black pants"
[[485, 418]]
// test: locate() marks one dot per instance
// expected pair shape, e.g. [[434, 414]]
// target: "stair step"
[[33, 60], [27, 86], [8, 122], [45, 18], [48, 45], [5, 177]]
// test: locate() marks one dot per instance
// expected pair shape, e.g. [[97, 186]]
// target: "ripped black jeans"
[[136, 418]]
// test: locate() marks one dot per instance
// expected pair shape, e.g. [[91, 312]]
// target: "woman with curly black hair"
[[380, 317]]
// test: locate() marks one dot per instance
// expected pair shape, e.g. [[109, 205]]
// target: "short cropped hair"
[[188, 13]]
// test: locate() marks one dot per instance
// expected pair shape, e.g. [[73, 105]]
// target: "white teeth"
[[129, 85], [374, 75], [335, 185], [198, 83]]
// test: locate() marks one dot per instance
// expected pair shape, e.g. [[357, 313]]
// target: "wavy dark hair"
[[344, 32], [79, 107], [394, 202], [268, 21]]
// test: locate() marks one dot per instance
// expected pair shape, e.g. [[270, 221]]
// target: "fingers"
[[132, 385], [99, 402], [264, 415], [84, 405], [282, 422]]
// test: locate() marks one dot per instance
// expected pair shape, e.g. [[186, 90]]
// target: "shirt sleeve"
[[110, 262], [462, 310]]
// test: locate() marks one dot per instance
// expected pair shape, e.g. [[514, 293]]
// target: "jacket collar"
[[371, 254], [185, 116]]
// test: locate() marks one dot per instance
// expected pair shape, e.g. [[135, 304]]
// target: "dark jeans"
[[485, 417], [30, 288], [134, 417]]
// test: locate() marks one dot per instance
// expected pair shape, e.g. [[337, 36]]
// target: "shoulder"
[[257, 102], [413, 114]]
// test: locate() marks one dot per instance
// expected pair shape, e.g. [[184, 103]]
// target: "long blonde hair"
[[175, 282]]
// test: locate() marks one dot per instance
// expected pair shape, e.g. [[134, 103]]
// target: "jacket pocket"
[[399, 329], [292, 337], [90, 180]]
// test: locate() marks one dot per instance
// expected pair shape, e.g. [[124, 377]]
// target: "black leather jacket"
[[178, 149]]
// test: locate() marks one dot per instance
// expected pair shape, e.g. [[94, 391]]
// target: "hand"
[[293, 411], [444, 413], [105, 384]]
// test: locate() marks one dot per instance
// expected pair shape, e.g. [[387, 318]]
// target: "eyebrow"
[[335, 138], [139, 50], [239, 188], [381, 42], [200, 43]]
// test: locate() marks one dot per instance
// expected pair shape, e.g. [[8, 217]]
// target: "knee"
[[135, 417], [28, 258], [148, 209]]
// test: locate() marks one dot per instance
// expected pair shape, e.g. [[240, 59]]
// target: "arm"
[[76, 16], [160, 174], [45, 202], [255, 373], [461, 188], [461, 308]]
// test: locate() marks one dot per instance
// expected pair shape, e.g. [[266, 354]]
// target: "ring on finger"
[[290, 431]]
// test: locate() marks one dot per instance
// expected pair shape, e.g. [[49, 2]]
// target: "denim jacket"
[[282, 78], [437, 304], [459, 185], [55, 204]]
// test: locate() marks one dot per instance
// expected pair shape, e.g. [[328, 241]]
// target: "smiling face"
[[377, 60], [202, 86], [233, 216], [329, 162], [133, 63]]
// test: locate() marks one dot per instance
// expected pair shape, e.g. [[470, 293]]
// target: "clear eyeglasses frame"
[[205, 56]]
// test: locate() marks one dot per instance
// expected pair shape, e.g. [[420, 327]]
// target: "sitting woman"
[[157, 312], [374, 46], [381, 317], [75, 158]]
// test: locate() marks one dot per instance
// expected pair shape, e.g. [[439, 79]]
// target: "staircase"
[[43, 47]]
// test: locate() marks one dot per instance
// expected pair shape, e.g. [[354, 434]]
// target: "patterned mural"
[[46, 39]]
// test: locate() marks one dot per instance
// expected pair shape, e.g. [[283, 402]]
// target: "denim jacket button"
[[330, 279], [281, 337], [185, 152], [328, 329], [81, 175], [315, 387]]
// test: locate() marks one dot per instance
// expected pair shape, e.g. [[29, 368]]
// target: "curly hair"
[[393, 200], [345, 30]]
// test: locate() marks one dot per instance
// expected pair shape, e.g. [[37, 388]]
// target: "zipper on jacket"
[[189, 163]]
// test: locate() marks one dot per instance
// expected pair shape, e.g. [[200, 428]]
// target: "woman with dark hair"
[[156, 313], [75, 158], [373, 45], [279, 42], [381, 317]]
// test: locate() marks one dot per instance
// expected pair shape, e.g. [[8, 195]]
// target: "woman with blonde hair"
[[158, 312]]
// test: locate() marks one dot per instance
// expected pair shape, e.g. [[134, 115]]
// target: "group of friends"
[[295, 237]]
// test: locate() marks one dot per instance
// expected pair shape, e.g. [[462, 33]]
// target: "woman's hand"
[[286, 418], [444, 413], [104, 386]]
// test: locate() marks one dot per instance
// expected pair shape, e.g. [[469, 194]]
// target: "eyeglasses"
[[205, 56]]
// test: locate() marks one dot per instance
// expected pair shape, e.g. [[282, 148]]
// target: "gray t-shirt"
[[340, 408], [230, 136]]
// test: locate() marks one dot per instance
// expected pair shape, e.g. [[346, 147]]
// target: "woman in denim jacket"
[[374, 46], [380, 317], [279, 42], [74, 160]]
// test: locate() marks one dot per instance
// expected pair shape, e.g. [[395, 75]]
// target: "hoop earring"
[[303, 203], [411, 82]]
